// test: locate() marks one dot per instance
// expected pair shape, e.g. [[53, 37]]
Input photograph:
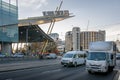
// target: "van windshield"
[[96, 56], [68, 56]]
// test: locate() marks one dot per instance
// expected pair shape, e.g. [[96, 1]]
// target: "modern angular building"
[[54, 36], [8, 25], [26, 30]]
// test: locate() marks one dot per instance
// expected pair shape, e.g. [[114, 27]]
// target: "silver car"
[[51, 56]]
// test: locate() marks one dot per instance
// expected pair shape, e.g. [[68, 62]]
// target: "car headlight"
[[87, 64], [71, 60], [103, 66]]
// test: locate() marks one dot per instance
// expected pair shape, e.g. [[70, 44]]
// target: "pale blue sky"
[[102, 14]]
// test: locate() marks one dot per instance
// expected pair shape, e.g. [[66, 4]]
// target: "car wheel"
[[75, 64], [64, 65], [90, 72]]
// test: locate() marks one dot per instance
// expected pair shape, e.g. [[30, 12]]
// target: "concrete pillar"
[[7, 48]]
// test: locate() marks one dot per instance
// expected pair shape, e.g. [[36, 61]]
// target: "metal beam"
[[40, 20]]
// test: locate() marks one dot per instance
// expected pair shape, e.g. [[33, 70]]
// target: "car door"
[[77, 59], [81, 58]]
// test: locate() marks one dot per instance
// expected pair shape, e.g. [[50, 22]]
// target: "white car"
[[20, 55], [2, 55], [118, 56], [51, 56]]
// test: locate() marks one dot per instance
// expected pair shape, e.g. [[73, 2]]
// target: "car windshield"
[[118, 54], [96, 56], [68, 56]]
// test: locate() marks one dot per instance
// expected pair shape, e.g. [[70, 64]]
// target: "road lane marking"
[[51, 71], [119, 76]]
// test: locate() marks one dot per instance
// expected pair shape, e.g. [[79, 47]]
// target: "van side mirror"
[[111, 56]]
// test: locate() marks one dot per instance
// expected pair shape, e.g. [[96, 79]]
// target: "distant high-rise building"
[[102, 34], [54, 36], [68, 41], [118, 45], [76, 38], [59, 43], [91, 36]]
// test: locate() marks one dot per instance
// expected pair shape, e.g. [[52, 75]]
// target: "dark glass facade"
[[8, 22]]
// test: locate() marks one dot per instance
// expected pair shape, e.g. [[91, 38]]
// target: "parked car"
[[2, 55], [51, 56], [20, 55], [118, 56]]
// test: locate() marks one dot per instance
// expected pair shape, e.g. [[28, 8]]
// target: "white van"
[[73, 58]]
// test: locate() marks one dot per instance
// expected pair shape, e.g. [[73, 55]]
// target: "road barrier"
[[2, 59]]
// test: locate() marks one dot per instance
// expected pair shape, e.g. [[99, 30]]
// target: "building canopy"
[[29, 31], [32, 33]]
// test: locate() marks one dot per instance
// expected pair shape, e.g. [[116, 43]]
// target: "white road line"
[[8, 79], [119, 76], [51, 71]]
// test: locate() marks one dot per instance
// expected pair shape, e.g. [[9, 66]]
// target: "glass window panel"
[[8, 16]]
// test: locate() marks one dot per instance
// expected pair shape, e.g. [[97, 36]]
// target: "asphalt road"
[[55, 72]]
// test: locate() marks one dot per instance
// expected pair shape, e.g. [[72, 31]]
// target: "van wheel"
[[110, 69], [64, 65], [90, 72], [75, 64]]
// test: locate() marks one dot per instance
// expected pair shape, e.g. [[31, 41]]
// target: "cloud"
[[36, 4], [112, 31], [30, 8]]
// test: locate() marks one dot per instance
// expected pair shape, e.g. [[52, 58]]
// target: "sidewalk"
[[27, 64]]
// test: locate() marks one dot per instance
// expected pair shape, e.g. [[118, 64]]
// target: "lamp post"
[[27, 36], [27, 40]]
